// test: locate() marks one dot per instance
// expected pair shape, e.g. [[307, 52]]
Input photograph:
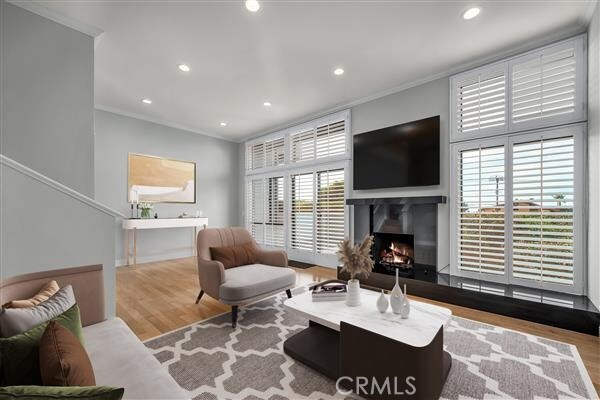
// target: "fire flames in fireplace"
[[397, 254]]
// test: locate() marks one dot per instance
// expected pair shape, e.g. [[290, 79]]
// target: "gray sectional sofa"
[[118, 357]]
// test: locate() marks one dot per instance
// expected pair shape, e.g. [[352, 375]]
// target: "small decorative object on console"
[[146, 208], [396, 297], [357, 261], [331, 290], [382, 303], [405, 306]]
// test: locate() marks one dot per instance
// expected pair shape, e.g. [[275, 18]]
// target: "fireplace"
[[393, 251]]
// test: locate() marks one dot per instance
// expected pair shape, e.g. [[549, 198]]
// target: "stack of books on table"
[[329, 291]]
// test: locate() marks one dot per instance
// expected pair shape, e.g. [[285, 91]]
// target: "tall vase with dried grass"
[[356, 261]]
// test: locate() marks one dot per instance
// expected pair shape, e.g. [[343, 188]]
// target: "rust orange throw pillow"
[[47, 291], [63, 360], [234, 256]]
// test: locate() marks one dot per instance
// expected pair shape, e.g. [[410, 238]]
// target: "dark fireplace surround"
[[405, 232]]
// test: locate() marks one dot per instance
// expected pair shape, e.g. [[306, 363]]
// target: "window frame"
[[579, 43], [579, 133]]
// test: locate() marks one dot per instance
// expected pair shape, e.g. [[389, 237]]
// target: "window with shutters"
[[547, 86], [295, 192], [274, 218], [318, 142], [538, 89], [265, 205], [269, 153], [303, 212], [318, 211], [274, 152], [543, 206], [481, 212], [517, 203], [255, 207], [329, 211], [480, 103]]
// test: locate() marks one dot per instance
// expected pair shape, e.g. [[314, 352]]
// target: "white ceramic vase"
[[382, 303], [404, 313], [396, 297], [353, 295]]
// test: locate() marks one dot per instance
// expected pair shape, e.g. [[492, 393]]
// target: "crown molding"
[[159, 121], [38, 8]]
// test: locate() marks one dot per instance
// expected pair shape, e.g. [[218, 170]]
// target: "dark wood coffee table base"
[[356, 354]]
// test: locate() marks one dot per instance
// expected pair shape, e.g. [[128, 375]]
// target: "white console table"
[[131, 226]]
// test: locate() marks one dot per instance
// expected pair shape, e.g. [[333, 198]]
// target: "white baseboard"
[[157, 257]]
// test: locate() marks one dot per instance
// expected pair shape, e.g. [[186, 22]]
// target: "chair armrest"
[[277, 258], [212, 276]]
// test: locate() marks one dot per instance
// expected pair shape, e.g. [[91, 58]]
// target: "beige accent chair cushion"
[[250, 281], [47, 291]]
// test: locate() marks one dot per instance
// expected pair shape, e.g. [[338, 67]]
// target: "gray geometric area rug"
[[212, 361]]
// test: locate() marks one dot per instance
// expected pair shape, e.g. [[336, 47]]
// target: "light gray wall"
[[594, 158], [217, 176], [427, 100], [42, 228], [47, 97]]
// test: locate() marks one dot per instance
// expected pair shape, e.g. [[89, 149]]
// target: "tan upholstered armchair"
[[242, 284]]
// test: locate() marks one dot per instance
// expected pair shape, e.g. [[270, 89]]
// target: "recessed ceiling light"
[[338, 71], [183, 67], [267, 104], [471, 13], [252, 5], [146, 101], [223, 124]]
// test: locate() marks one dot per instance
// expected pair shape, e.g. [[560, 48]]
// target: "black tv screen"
[[398, 156]]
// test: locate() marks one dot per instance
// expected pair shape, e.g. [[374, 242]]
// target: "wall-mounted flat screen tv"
[[398, 156]]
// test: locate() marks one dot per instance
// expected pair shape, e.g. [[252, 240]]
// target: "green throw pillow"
[[61, 392], [19, 353]]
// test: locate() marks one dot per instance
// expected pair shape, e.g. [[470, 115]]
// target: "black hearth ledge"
[[572, 312], [397, 200]]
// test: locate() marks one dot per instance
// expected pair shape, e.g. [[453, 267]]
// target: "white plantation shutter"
[[547, 85], [303, 146], [543, 210], [480, 103], [323, 141], [255, 156], [274, 152], [303, 210], [481, 238], [331, 139], [274, 218], [538, 89], [329, 210], [255, 209]]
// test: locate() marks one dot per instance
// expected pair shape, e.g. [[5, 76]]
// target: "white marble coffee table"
[[343, 341]]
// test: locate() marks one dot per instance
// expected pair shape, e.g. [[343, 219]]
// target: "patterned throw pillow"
[[47, 291]]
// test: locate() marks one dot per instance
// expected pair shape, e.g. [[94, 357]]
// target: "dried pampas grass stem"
[[356, 260]]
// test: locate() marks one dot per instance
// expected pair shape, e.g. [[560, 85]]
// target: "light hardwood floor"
[[159, 297]]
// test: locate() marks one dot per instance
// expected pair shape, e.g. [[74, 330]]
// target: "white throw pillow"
[[18, 320]]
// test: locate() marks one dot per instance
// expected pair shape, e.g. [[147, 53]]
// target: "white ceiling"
[[287, 51]]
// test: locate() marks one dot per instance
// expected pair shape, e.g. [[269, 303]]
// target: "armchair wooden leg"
[[234, 313], [289, 293], [199, 296]]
